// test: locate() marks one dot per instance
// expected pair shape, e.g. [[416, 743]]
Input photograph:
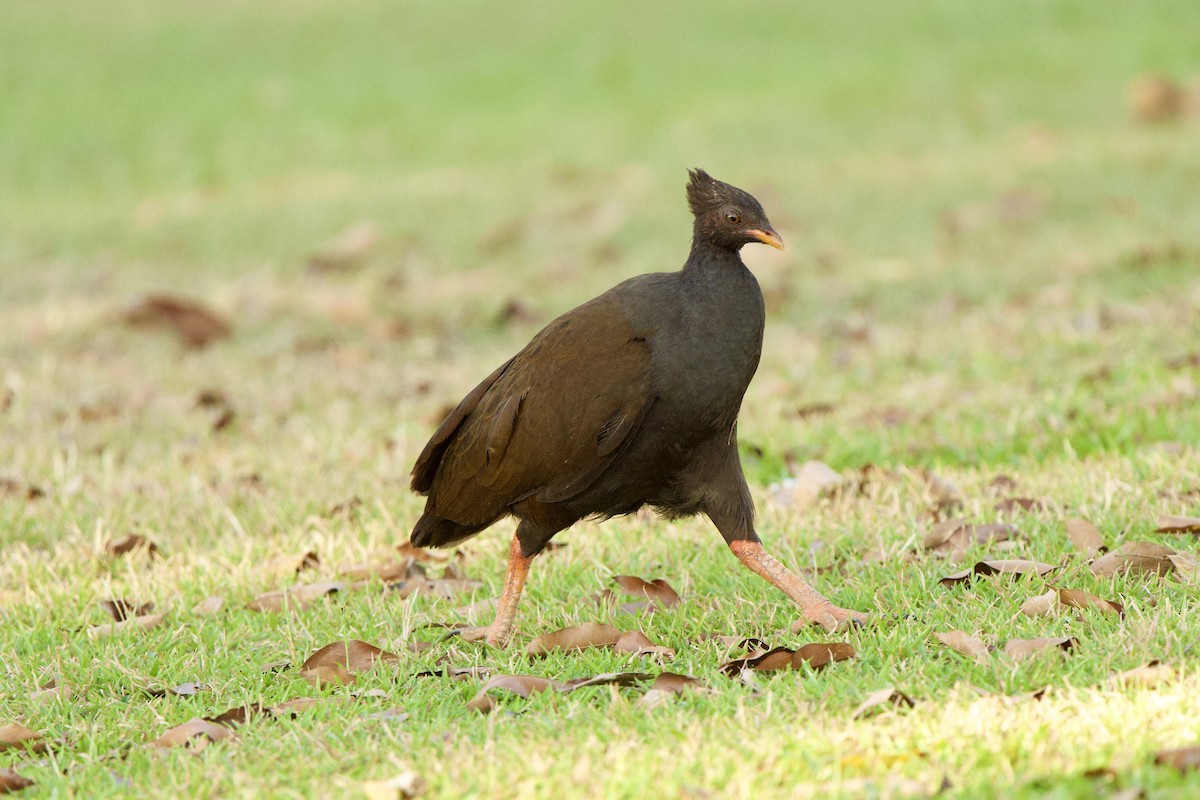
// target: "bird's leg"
[[497, 634], [814, 605]]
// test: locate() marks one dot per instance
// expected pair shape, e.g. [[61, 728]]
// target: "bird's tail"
[[435, 531]]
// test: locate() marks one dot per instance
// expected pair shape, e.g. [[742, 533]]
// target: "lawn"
[[991, 291]]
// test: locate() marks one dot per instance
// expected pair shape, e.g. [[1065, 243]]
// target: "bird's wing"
[[548, 423]]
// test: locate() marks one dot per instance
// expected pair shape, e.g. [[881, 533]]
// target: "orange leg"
[[498, 633], [812, 603]]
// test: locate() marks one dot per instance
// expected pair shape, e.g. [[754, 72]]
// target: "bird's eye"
[[732, 218]]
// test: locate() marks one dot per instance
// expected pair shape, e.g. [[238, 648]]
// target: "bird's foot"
[[490, 634], [830, 617]]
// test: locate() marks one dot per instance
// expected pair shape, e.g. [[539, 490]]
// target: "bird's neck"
[[706, 257]]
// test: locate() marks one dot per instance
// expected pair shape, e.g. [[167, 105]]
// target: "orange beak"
[[768, 236]]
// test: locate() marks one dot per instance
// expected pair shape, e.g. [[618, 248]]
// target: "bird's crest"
[[705, 193]]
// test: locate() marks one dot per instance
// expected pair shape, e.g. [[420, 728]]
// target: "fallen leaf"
[[404, 786], [1181, 758], [964, 643], [195, 325], [339, 662], [1172, 524], [1147, 675], [1135, 558], [387, 572], [132, 543], [446, 588], [120, 609], [50, 694], [945, 494], [144, 622], [295, 705], [1015, 505], [182, 690], [575, 637], [956, 535], [1077, 598], [292, 565], [816, 655], [424, 555], [657, 590], [15, 735], [26, 491], [1154, 98], [606, 679], [1040, 604], [881, 700], [1186, 567], [10, 781], [348, 250], [812, 481], [1085, 537], [1024, 648], [294, 597], [734, 642], [208, 606], [196, 732], [1001, 566], [238, 715], [638, 643], [520, 685], [665, 688]]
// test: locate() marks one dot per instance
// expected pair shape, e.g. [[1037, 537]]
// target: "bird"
[[628, 400]]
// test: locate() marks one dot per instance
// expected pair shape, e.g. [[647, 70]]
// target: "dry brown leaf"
[[1018, 505], [1040, 604], [196, 325], [1077, 598], [387, 572], [1024, 648], [638, 643], [606, 679], [1154, 98], [132, 543], [121, 609], [50, 694], [182, 690], [956, 535], [423, 555], [141, 623], [445, 588], [999, 566], [208, 606], [881, 700], [657, 590], [1172, 524], [1186, 567], [238, 715], [10, 781], [733, 642], [575, 637], [196, 732], [348, 250], [813, 481], [944, 493], [964, 643], [292, 565], [404, 786], [1147, 675], [1085, 537], [816, 655], [666, 686], [1135, 558], [15, 735], [1181, 758], [339, 662], [294, 597], [295, 705], [520, 685]]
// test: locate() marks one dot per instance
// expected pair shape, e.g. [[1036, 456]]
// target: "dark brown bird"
[[629, 400]]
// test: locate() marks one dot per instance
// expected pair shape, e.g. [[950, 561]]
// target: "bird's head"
[[726, 216]]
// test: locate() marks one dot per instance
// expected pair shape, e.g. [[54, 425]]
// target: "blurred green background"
[[223, 137]]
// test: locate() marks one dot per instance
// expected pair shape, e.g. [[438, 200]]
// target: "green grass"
[[992, 269]]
